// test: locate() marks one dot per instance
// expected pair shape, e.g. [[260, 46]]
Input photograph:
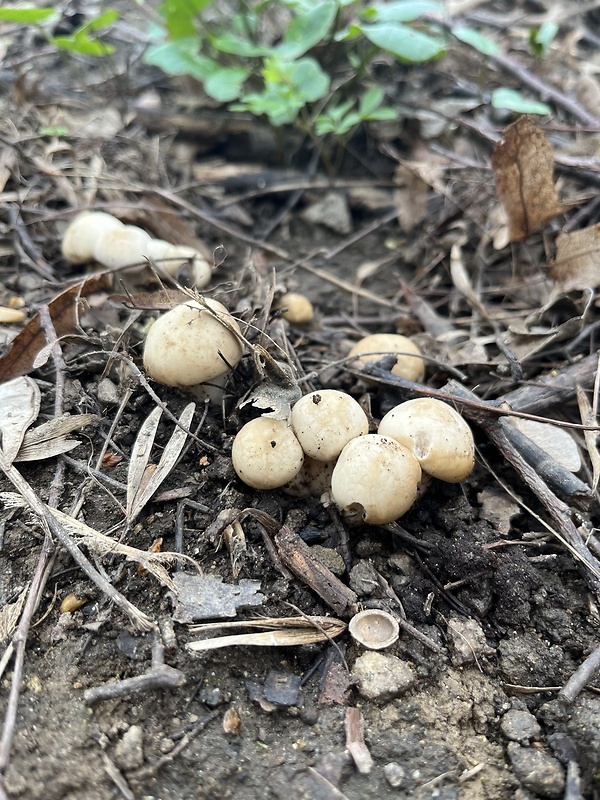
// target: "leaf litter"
[[429, 267]]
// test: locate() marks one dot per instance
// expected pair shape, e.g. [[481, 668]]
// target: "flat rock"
[[382, 677], [520, 726], [538, 772]]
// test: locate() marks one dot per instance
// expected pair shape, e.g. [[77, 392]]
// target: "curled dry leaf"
[[281, 632], [523, 165], [19, 408], [576, 264]]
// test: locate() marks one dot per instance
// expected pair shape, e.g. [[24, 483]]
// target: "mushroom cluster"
[[97, 236], [373, 478]]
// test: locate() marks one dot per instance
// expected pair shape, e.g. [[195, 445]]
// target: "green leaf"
[[225, 84], [477, 40], [180, 16], [235, 45], [180, 57], [27, 16], [406, 44], [98, 23], [307, 29], [541, 38], [81, 44], [402, 11], [309, 80], [514, 101], [370, 100]]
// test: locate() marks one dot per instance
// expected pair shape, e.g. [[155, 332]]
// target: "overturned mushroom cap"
[[408, 364], [266, 454], [191, 344], [170, 258], [122, 247], [436, 434], [374, 629], [325, 421], [375, 480], [80, 238]]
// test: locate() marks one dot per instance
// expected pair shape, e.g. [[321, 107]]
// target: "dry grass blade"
[[19, 408], [283, 632], [9, 616], [51, 438], [589, 418], [144, 479]]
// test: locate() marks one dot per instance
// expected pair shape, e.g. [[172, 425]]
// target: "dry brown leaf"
[[283, 632], [588, 417], [64, 311], [523, 165], [577, 264]]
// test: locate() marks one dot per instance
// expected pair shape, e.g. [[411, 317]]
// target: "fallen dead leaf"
[[523, 165], [64, 311], [577, 258]]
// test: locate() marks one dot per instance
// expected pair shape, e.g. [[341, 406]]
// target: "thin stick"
[[581, 677]]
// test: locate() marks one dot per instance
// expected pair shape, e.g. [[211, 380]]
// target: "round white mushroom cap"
[[375, 479], [313, 480], [436, 434], [170, 258], [325, 421], [408, 364], [190, 345], [266, 453], [122, 247], [80, 237], [297, 308]]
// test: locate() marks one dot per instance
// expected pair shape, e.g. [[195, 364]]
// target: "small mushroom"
[[325, 421], [297, 308], [374, 480], [436, 434], [313, 480], [122, 247], [80, 237], [266, 453], [171, 258], [409, 363], [374, 629], [191, 344]]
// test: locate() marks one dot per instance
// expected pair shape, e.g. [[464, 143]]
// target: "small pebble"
[[467, 640], [394, 774], [520, 726], [329, 557], [129, 752], [538, 772], [382, 677], [107, 393], [363, 579]]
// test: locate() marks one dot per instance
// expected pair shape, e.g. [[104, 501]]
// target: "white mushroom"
[[297, 308], [313, 480], [80, 237], [266, 454], [122, 247], [374, 629], [170, 258], [190, 345], [325, 421], [375, 480], [436, 434], [408, 364]]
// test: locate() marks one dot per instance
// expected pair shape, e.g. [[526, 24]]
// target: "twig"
[[582, 676], [355, 741], [159, 676]]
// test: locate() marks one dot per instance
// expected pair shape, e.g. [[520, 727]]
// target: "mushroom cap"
[[122, 247], [85, 229], [313, 480], [182, 347], [266, 453], [375, 479], [298, 308], [406, 366], [325, 421], [374, 629], [436, 434], [170, 258]]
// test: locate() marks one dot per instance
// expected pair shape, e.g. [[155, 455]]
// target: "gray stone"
[[107, 393], [520, 726], [395, 775], [538, 772], [382, 677], [467, 639], [332, 211], [129, 752], [330, 558], [363, 579]]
